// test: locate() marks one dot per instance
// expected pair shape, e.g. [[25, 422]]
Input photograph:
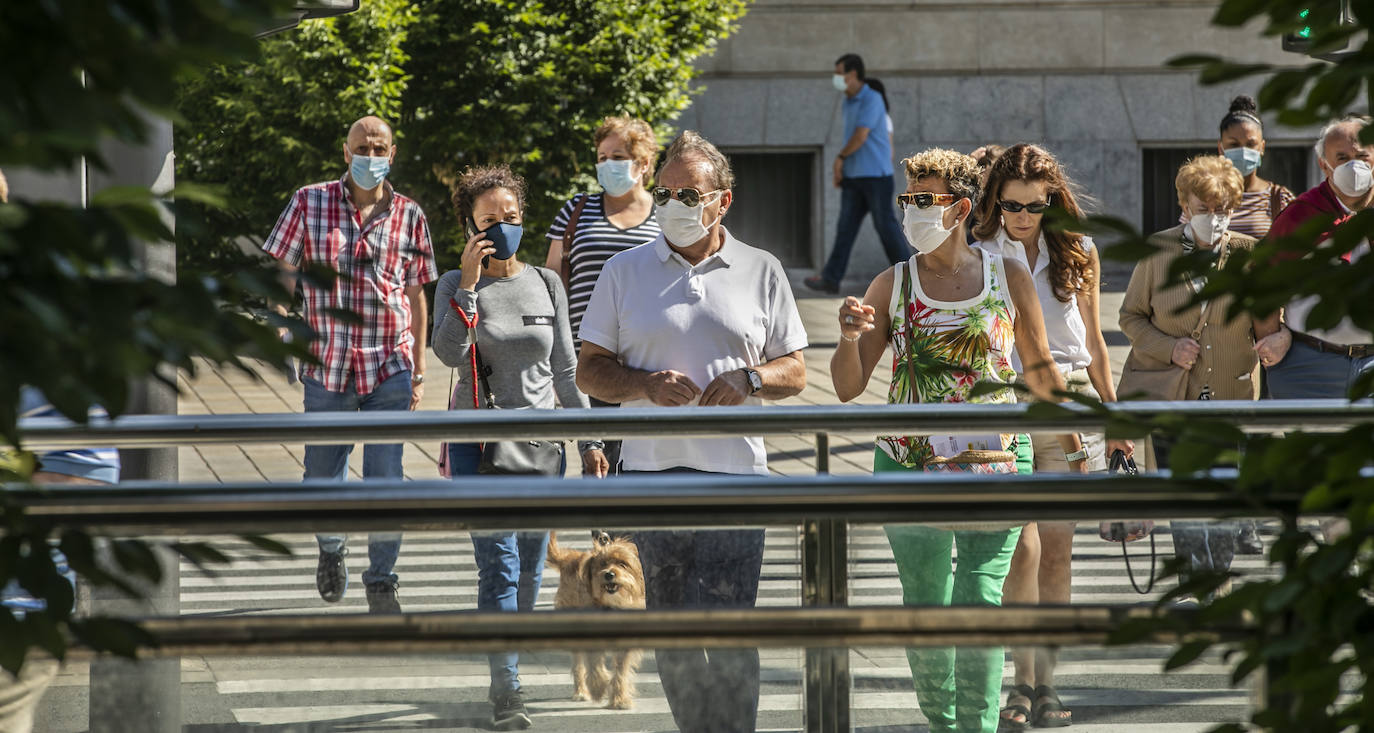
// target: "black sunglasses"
[[925, 200], [1013, 207], [690, 197]]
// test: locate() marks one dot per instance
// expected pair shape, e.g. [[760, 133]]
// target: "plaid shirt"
[[375, 263]]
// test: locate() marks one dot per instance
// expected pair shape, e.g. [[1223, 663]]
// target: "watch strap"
[[1079, 455]]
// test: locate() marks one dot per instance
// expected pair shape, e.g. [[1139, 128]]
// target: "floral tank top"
[[951, 346]]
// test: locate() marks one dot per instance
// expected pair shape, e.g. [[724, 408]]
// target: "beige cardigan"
[[1227, 364]]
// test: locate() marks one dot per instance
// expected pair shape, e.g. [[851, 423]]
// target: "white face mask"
[[925, 228], [838, 81], [1352, 178], [1209, 228], [681, 224]]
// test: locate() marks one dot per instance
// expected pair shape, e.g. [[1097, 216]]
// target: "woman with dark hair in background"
[[1242, 142], [881, 89], [1022, 183]]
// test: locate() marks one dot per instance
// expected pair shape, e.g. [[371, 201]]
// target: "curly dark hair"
[[476, 181], [1070, 266]]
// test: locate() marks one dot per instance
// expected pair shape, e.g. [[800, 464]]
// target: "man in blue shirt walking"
[[863, 173]]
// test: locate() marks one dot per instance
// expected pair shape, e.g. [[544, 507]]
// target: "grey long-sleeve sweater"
[[522, 335]]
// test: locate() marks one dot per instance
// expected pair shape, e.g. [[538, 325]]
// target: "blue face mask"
[[369, 172], [616, 176], [505, 238], [1246, 160]]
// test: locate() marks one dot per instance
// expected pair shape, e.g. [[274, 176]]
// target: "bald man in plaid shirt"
[[378, 241]]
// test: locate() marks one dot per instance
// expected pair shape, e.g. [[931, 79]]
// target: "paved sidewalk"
[[225, 391]]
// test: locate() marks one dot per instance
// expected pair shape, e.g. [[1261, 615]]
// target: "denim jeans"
[[379, 461], [510, 569], [1305, 373], [715, 691], [858, 198]]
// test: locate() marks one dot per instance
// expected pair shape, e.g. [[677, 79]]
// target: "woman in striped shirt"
[[1242, 142], [605, 224]]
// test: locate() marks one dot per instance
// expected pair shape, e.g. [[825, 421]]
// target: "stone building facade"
[[1086, 78]]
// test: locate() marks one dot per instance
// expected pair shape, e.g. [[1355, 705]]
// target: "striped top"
[[1257, 211], [595, 240]]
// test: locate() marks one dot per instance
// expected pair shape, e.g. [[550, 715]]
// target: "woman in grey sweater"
[[518, 315]]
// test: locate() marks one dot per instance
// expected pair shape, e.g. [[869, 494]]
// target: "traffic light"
[[1300, 41]]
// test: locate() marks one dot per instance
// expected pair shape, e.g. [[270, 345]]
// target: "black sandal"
[[1053, 704], [1007, 724]]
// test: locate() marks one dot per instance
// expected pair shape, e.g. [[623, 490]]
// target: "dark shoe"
[[1248, 542], [508, 711], [1048, 711], [1016, 717], [381, 598], [331, 575], [821, 285]]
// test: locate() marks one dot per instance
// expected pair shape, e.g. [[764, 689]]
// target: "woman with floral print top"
[[953, 316]]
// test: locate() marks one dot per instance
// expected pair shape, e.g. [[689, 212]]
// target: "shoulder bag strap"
[[910, 328], [569, 232]]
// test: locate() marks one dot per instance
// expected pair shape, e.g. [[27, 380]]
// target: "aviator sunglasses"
[[690, 197], [1012, 207], [925, 200]]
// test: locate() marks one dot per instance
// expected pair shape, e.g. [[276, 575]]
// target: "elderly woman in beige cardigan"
[[1196, 352]]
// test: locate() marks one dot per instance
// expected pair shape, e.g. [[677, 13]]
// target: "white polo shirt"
[[656, 311], [1064, 327]]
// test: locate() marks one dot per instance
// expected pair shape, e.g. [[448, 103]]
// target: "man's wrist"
[[840, 156], [1079, 455], [417, 377]]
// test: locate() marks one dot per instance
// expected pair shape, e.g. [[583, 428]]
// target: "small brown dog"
[[609, 577]]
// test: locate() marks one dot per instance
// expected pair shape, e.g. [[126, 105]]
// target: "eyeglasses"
[[925, 200], [690, 197], [1013, 207]]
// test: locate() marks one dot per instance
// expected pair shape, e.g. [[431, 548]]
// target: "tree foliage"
[[468, 82], [1312, 624], [79, 318]]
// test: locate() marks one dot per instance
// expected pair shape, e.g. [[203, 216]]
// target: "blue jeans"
[[715, 568], [859, 197], [510, 569], [1305, 374], [379, 461]]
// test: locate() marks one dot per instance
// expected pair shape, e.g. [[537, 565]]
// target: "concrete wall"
[[1083, 77]]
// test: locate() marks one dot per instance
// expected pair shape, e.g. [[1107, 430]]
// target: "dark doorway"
[[774, 192], [1284, 164]]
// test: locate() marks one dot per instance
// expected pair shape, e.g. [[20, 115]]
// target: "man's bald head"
[[369, 137], [368, 127]]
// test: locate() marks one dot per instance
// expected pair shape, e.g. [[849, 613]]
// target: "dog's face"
[[614, 576]]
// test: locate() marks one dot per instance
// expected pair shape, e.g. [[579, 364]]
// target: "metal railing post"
[[825, 582]]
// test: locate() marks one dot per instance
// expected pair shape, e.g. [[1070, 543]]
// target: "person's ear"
[[1261, 146], [348, 155], [391, 157], [726, 199], [1220, 150]]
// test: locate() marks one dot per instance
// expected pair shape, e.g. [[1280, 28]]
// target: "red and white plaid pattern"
[[375, 264]]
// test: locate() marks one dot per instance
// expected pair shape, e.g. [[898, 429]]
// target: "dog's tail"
[[557, 556]]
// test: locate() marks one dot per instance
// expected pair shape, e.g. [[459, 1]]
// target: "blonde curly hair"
[[959, 172], [1212, 179]]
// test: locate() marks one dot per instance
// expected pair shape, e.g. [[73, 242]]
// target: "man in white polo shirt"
[[696, 317]]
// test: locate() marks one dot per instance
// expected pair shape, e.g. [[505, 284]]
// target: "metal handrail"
[[148, 431], [476, 632], [677, 500]]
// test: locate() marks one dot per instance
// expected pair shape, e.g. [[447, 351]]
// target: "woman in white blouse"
[[1024, 182]]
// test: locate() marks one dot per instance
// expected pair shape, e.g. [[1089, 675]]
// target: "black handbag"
[[516, 457], [1124, 532]]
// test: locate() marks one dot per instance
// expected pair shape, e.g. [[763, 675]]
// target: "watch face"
[[755, 381]]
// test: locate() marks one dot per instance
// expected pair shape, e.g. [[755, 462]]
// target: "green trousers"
[[957, 688]]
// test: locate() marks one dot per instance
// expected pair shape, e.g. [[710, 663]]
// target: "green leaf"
[[1187, 653], [267, 544], [113, 635]]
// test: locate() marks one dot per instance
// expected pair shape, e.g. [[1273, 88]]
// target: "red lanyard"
[[471, 323]]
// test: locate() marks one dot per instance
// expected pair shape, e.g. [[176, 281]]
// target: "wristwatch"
[[416, 378], [755, 381], [1079, 455]]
